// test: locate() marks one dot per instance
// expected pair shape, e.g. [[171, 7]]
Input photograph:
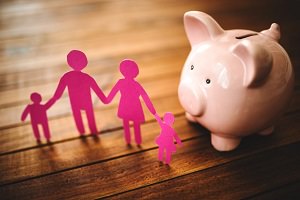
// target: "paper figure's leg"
[[46, 131], [160, 153], [78, 120], [126, 131], [91, 120], [137, 133], [168, 157], [36, 133]]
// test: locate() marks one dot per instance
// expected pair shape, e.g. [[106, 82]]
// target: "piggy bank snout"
[[191, 98]]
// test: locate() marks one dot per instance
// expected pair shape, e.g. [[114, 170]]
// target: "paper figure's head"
[[77, 60], [169, 118], [129, 68], [36, 97]]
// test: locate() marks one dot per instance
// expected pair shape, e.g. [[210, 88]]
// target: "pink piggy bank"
[[234, 83]]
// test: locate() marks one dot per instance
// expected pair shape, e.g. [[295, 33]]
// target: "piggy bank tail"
[[273, 32]]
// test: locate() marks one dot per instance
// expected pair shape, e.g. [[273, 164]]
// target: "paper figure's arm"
[[98, 91], [178, 141], [158, 119], [50, 103], [113, 92], [25, 113], [146, 99], [60, 88]]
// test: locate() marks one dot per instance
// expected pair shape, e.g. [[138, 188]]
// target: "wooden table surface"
[[35, 37]]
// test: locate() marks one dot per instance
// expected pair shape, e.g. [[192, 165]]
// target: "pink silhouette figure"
[[165, 140], [130, 108], [79, 87], [38, 115]]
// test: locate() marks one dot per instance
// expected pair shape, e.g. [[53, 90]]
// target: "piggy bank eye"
[[192, 67], [208, 81]]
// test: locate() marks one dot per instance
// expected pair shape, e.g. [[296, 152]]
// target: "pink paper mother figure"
[[130, 108], [165, 140], [38, 115], [79, 87]]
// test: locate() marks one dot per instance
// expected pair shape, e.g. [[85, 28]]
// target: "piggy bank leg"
[[267, 131], [190, 117], [223, 143]]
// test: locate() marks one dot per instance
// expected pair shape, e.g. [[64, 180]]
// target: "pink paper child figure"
[[38, 115], [165, 140], [79, 86], [130, 108]]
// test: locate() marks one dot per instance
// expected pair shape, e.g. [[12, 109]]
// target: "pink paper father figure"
[[165, 140], [79, 87], [130, 108], [38, 115]]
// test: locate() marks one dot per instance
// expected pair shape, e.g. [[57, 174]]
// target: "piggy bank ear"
[[273, 32], [200, 27], [257, 62]]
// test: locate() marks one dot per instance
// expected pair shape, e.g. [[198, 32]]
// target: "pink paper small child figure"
[[38, 115], [79, 86], [165, 140], [130, 108]]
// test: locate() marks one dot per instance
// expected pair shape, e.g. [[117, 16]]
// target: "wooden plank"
[[289, 191], [89, 15], [145, 60], [99, 48], [16, 7], [142, 169], [88, 10], [59, 157], [233, 180]]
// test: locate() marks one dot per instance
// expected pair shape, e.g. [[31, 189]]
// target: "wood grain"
[[35, 37], [141, 169], [233, 180], [89, 150], [288, 191]]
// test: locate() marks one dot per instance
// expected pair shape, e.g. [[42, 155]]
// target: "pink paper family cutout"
[[38, 115], [165, 140], [79, 86], [130, 108]]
